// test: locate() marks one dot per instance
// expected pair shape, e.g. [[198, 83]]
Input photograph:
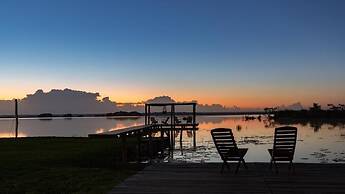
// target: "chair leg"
[[244, 164], [276, 166], [271, 164], [238, 166], [292, 166], [224, 164], [227, 165], [181, 136]]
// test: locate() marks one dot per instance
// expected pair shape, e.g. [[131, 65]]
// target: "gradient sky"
[[245, 53]]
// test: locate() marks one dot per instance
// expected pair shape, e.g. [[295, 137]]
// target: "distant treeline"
[[68, 115], [129, 114], [314, 112], [120, 113], [124, 113], [307, 114]]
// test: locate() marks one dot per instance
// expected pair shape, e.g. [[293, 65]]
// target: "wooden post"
[[149, 114], [173, 128], [16, 115], [181, 142], [150, 147], [145, 114], [194, 128]]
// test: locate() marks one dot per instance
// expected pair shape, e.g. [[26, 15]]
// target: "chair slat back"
[[166, 121], [189, 120], [224, 141], [284, 141], [153, 120], [177, 120]]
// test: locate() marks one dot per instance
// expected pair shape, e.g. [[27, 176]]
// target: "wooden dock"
[[124, 131], [146, 128], [144, 134], [168, 178]]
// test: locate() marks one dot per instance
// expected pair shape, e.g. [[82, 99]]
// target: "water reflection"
[[318, 141], [76, 127], [316, 124]]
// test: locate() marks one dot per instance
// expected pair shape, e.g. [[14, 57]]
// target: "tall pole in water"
[[16, 114]]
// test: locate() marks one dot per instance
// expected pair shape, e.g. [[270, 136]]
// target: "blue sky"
[[247, 53]]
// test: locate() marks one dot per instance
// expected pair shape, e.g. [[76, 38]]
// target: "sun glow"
[[11, 135], [246, 97]]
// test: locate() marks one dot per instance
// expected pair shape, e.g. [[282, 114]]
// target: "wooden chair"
[[177, 120], [283, 146], [154, 121], [227, 148], [165, 122], [189, 120]]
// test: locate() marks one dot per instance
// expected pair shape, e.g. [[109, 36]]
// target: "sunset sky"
[[244, 53]]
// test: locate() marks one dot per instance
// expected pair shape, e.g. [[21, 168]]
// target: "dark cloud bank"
[[80, 102]]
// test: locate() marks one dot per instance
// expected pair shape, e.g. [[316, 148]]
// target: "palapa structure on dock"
[[168, 127], [175, 125]]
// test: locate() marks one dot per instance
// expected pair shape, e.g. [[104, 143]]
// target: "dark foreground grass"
[[61, 165]]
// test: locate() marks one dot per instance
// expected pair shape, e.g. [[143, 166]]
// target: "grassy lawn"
[[61, 165]]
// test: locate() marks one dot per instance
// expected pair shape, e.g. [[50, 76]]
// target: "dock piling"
[[17, 118]]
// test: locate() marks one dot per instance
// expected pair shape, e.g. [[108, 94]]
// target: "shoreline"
[[129, 114]]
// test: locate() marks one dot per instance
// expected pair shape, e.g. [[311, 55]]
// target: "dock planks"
[[140, 128], [123, 131], [167, 178]]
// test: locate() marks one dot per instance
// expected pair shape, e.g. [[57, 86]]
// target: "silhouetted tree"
[[315, 107], [334, 108]]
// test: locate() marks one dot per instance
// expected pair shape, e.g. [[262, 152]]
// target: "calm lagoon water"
[[320, 142]]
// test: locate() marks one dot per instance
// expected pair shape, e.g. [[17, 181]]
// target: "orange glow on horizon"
[[249, 98], [11, 135]]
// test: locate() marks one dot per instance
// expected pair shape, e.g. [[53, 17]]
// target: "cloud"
[[81, 102], [60, 102], [161, 99], [295, 106]]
